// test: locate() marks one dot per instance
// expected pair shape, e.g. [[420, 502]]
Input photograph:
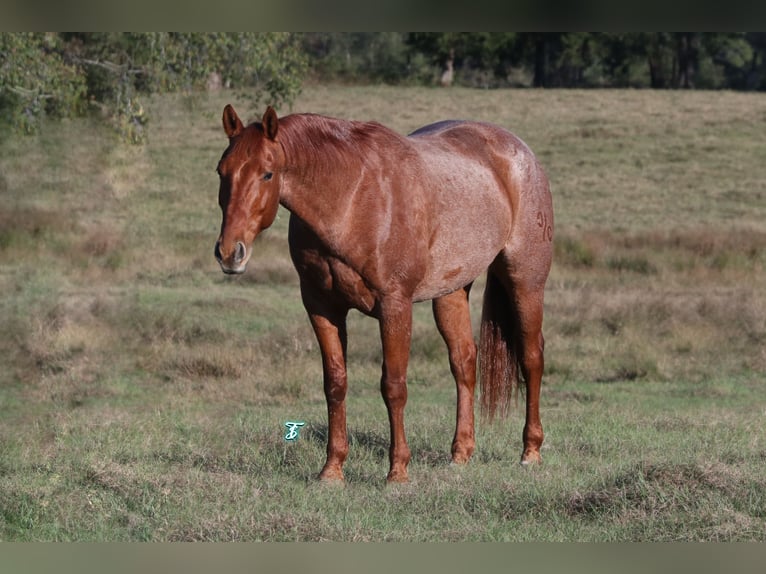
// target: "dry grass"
[[142, 393], [678, 304], [686, 498]]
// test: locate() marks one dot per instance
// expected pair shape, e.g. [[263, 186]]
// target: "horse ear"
[[270, 123], [232, 125]]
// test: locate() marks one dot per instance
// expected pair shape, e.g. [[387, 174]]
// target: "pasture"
[[143, 394]]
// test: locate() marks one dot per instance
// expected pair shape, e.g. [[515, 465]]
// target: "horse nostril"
[[239, 253], [217, 251]]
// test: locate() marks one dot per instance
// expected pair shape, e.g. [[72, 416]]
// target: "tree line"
[[660, 60], [53, 75]]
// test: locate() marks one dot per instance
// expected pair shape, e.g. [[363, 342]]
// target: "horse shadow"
[[375, 446]]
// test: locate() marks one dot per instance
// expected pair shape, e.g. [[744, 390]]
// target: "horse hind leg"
[[532, 364], [453, 320], [525, 297]]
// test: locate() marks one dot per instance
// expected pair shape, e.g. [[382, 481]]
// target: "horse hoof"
[[461, 456], [397, 477], [531, 458], [331, 477]]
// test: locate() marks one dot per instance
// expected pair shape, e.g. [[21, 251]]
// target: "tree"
[[488, 53], [36, 80], [661, 60], [63, 74], [756, 78], [364, 57], [736, 57]]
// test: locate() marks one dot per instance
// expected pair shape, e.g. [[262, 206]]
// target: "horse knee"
[[394, 389], [335, 386]]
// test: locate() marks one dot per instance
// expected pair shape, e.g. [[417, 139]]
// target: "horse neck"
[[324, 166]]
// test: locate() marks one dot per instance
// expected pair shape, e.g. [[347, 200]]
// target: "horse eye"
[[267, 176]]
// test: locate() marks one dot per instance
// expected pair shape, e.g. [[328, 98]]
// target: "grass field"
[[143, 393]]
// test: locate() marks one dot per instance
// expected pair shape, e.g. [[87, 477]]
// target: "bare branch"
[[110, 66], [27, 93]]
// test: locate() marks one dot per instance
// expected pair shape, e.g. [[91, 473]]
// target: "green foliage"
[[271, 63], [35, 80], [60, 75], [365, 56], [560, 59]]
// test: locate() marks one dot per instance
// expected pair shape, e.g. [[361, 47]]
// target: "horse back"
[[485, 159], [484, 188]]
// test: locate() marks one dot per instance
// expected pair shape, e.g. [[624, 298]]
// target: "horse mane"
[[325, 144]]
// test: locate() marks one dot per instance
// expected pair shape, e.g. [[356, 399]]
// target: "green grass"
[[143, 393]]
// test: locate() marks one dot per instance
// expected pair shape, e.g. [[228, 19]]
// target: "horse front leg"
[[396, 333], [330, 330]]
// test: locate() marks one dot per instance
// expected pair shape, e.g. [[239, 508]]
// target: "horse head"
[[250, 180]]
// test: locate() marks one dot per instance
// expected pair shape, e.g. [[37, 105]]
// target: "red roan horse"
[[380, 221]]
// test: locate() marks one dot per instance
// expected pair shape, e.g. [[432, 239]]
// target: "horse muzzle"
[[234, 262]]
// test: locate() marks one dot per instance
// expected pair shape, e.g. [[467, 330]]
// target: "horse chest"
[[336, 281], [350, 286], [326, 275]]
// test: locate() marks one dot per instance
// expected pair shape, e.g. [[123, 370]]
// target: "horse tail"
[[500, 350]]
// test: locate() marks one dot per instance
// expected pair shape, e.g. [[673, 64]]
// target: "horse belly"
[[470, 226]]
